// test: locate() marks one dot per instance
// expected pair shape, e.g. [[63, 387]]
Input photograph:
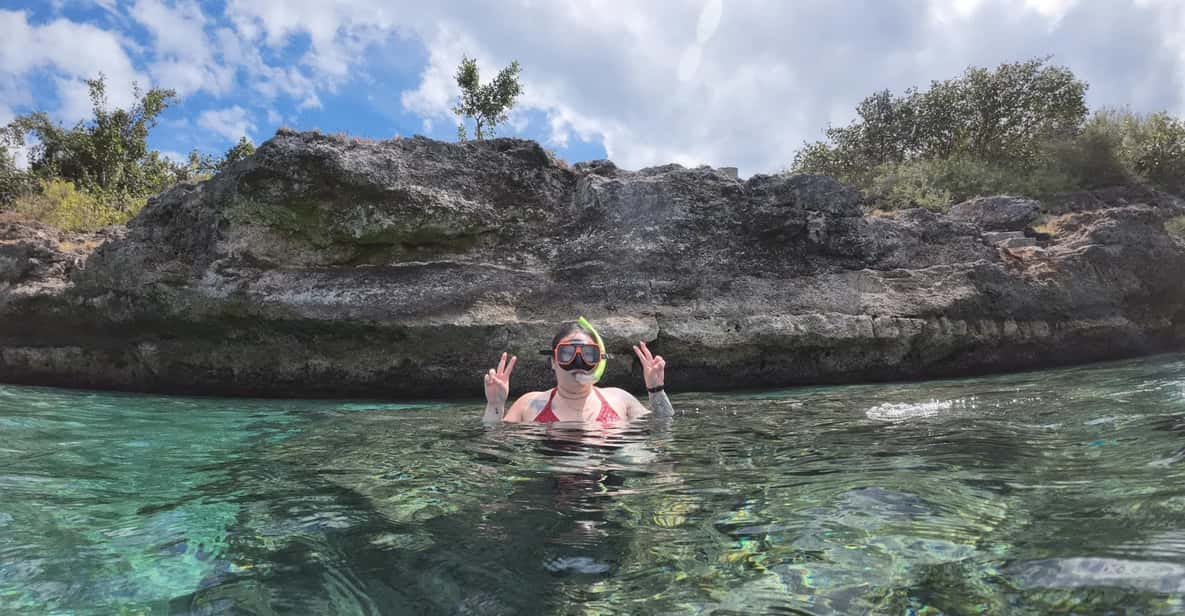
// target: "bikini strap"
[[605, 407], [551, 416]]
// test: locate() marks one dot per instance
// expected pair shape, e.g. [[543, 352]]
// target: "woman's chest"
[[576, 410]]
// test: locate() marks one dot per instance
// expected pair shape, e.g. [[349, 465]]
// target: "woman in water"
[[578, 359]]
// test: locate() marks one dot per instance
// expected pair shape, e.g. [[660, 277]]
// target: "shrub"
[[1001, 116], [938, 184], [1019, 129], [898, 186], [109, 154], [1092, 159], [1152, 146], [14, 183], [60, 204]]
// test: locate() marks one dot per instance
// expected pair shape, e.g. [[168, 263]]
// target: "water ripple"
[[1050, 492]]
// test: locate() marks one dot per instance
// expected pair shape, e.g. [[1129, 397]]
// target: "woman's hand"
[[498, 382], [654, 373], [653, 366]]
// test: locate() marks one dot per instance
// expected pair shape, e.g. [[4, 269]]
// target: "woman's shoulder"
[[532, 396], [528, 405]]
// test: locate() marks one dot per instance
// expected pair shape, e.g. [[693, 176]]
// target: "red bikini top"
[[606, 414]]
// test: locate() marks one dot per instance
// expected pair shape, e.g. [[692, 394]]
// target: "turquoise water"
[[1048, 492]]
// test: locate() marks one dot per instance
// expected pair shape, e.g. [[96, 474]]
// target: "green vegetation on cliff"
[[99, 172], [1022, 129]]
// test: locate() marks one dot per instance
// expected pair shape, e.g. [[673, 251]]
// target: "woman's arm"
[[524, 409], [495, 412], [661, 404], [654, 376]]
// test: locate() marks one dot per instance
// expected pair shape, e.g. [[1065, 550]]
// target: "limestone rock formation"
[[324, 266], [998, 213]]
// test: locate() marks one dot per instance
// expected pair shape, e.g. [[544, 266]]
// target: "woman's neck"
[[573, 392]]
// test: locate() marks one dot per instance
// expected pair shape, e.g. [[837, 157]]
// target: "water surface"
[[1046, 492]]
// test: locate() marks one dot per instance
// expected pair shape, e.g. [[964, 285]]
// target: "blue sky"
[[726, 83]]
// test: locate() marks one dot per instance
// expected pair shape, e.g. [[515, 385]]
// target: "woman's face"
[[574, 377]]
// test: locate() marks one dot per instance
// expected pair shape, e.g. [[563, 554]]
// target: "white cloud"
[[1172, 14], [709, 20], [18, 155], [646, 82], [240, 49], [954, 10], [185, 61], [75, 98], [14, 92], [177, 31], [518, 121], [310, 102], [231, 123], [73, 52], [176, 157], [694, 81], [746, 84], [107, 5], [437, 88], [1052, 9]]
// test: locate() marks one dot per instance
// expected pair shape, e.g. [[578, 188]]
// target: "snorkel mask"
[[580, 355]]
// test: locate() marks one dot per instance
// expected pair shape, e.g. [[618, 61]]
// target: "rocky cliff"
[[324, 266]]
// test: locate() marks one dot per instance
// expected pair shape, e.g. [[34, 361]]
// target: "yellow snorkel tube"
[[600, 370]]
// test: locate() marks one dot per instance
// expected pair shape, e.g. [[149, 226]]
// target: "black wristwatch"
[[654, 390]]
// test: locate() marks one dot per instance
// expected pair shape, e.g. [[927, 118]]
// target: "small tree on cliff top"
[[487, 105]]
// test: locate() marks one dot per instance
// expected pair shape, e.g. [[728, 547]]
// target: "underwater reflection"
[[579, 472], [517, 521]]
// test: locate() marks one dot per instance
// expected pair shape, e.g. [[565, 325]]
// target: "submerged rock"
[[325, 266]]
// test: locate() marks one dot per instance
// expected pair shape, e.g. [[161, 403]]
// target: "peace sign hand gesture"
[[653, 366], [498, 381]]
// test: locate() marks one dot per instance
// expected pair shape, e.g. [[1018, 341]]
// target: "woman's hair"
[[568, 328]]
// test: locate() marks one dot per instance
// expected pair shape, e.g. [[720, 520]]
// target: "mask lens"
[[565, 353], [591, 354]]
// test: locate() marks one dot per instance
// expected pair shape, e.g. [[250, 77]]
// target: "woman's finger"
[[646, 351], [510, 366], [502, 363], [641, 357]]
